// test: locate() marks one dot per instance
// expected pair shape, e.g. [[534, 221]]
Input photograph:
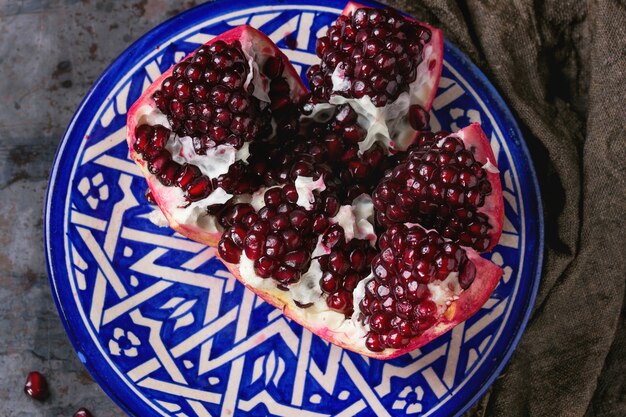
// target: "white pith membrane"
[[218, 160], [388, 125]]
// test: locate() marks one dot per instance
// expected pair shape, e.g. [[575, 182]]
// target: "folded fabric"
[[561, 67]]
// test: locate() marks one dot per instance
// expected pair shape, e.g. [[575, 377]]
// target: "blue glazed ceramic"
[[166, 330]]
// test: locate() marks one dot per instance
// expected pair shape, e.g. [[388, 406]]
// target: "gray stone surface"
[[51, 52]]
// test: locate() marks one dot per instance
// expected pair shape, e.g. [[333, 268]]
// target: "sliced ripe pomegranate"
[[373, 249], [190, 131], [382, 64]]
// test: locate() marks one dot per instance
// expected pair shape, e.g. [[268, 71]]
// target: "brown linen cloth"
[[561, 68]]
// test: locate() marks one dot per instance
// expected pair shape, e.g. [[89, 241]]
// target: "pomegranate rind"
[[475, 139], [170, 198], [469, 302], [432, 63]]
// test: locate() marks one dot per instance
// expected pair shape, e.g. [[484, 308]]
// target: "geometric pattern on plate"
[[180, 331]]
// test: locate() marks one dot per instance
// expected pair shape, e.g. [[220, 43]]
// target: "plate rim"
[[511, 122], [167, 27]]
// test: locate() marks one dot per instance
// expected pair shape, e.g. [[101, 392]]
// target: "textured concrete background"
[[51, 52]]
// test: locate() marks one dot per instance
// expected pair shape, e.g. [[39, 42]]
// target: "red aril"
[[36, 386]]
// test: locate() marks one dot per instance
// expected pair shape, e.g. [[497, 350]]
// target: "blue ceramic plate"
[[166, 330]]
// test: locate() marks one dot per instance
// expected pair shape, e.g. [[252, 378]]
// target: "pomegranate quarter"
[[336, 205]]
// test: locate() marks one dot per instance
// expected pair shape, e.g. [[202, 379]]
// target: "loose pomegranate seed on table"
[[36, 386]]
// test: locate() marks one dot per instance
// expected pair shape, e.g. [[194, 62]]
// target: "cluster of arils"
[[150, 142], [397, 304], [343, 268], [376, 51], [439, 185], [208, 99], [339, 137], [279, 238]]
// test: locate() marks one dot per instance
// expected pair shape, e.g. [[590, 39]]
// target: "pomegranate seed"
[[418, 118], [286, 274], [254, 245], [211, 76], [250, 220], [260, 226], [340, 301], [338, 263], [329, 282], [395, 340], [179, 69], [201, 57], [222, 61], [233, 80], [300, 220], [228, 251], [193, 72], [291, 238], [380, 323], [83, 412], [467, 276], [274, 246], [357, 259], [279, 222], [290, 193], [320, 223], [354, 133], [36, 386], [334, 236], [297, 259], [143, 133], [182, 91], [265, 266], [273, 197], [373, 343], [158, 162], [350, 281], [235, 214], [169, 173]]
